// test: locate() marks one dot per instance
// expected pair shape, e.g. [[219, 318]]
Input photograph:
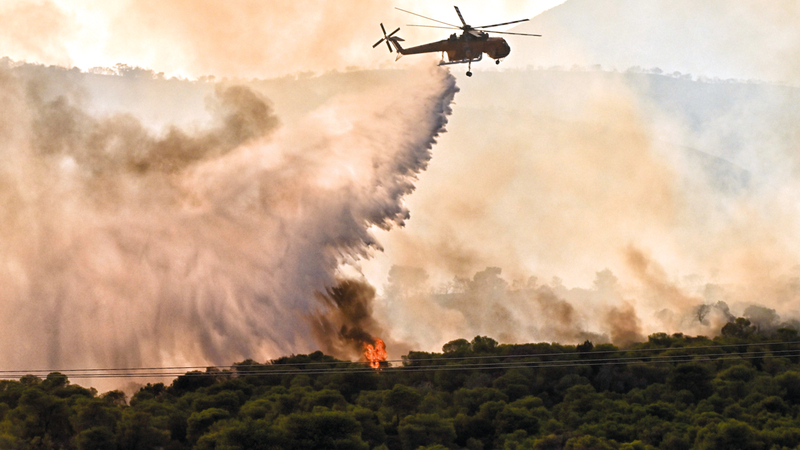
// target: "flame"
[[375, 354]]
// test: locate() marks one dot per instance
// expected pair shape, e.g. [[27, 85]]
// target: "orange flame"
[[375, 354]]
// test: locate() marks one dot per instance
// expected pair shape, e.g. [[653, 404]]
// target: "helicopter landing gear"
[[497, 61], [469, 68], [469, 74]]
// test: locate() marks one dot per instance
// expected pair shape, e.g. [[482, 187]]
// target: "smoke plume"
[[348, 325], [125, 245], [644, 202]]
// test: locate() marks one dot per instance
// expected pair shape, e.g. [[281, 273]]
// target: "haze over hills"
[[640, 193], [743, 39]]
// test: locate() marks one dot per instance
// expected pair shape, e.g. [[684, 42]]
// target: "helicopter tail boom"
[[395, 40]]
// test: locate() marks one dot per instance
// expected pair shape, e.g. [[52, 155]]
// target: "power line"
[[443, 358], [279, 369]]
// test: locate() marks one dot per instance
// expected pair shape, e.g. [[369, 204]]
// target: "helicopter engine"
[[500, 50]]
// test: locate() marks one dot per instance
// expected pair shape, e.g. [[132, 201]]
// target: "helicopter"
[[466, 48]]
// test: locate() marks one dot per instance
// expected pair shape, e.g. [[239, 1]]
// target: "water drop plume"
[[129, 245]]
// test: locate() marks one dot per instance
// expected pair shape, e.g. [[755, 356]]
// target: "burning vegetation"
[[375, 354], [347, 328]]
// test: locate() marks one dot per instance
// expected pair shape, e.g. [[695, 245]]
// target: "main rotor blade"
[[506, 23], [420, 15], [517, 34], [460, 16], [434, 26]]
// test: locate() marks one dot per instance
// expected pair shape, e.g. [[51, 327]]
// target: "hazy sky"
[[244, 38]]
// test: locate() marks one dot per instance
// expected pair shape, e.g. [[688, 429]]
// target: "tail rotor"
[[386, 37]]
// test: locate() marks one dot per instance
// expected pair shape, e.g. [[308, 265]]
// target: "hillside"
[[560, 173], [743, 39]]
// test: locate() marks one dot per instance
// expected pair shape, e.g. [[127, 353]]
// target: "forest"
[[740, 389]]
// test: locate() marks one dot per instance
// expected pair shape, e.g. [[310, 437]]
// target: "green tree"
[[469, 401], [458, 346], [137, 432], [371, 429], [95, 412], [513, 418], [199, 422], [789, 383], [403, 400], [259, 409], [692, 376], [55, 380], [483, 344], [728, 434], [227, 400], [43, 416], [473, 428], [425, 429], [328, 429], [588, 443], [96, 438], [327, 398], [245, 435], [738, 329], [515, 383]]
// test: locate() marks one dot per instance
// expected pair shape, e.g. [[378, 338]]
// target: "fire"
[[375, 354]]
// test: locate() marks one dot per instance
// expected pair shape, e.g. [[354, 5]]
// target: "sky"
[[244, 38], [291, 201]]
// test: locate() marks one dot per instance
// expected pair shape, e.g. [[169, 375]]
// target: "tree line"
[[740, 389]]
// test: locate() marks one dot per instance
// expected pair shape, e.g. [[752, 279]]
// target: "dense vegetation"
[[738, 390]]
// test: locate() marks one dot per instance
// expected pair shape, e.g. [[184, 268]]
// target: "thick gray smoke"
[[348, 325], [643, 203], [125, 245]]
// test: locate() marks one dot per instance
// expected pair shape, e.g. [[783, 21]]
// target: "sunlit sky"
[[280, 34]]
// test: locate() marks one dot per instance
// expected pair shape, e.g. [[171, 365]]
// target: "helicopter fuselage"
[[463, 48]]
